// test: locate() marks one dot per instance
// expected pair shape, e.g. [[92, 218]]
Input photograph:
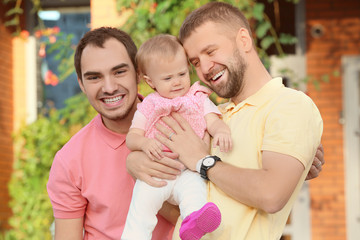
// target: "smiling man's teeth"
[[219, 74], [112, 100]]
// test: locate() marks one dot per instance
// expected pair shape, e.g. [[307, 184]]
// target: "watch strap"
[[204, 169]]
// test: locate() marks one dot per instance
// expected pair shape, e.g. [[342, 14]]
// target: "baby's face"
[[170, 78]]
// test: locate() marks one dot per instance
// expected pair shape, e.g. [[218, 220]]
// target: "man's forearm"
[[268, 188]]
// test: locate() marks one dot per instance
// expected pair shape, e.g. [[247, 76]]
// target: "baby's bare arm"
[[219, 131], [136, 140]]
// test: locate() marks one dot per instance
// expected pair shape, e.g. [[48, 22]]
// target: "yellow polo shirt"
[[277, 119]]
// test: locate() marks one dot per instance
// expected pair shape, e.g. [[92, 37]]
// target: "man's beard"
[[235, 83]]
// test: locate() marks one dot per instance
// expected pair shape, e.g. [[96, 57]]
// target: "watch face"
[[208, 162]]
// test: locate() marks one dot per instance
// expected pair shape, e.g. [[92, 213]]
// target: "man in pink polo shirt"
[[89, 186]]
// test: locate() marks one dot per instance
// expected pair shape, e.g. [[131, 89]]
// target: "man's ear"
[[149, 81], [81, 85], [244, 40]]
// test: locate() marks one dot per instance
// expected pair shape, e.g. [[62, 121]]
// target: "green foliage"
[[154, 17], [296, 81], [64, 54], [262, 29], [35, 147], [258, 11], [166, 16], [14, 13], [287, 39]]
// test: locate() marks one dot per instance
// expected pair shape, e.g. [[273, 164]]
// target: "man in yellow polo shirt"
[[275, 130]]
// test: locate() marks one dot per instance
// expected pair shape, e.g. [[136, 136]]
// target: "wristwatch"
[[207, 163]]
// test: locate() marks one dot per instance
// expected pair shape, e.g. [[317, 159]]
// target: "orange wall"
[[341, 24], [104, 13], [6, 120], [19, 82]]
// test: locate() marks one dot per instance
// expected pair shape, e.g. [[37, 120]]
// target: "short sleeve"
[[210, 107], [64, 191], [294, 128], [139, 121]]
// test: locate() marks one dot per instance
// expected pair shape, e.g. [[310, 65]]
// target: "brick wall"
[[341, 36], [6, 119]]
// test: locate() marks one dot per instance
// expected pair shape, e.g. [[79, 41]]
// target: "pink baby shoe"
[[200, 222]]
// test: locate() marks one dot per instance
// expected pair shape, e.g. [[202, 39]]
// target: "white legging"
[[188, 190]]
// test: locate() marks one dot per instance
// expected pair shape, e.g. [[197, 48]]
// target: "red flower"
[[52, 39], [38, 34], [51, 78], [153, 8], [56, 30], [42, 51], [24, 34]]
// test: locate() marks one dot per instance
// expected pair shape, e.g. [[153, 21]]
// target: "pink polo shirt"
[[88, 178]]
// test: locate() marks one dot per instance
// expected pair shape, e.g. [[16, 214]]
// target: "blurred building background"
[[329, 41]]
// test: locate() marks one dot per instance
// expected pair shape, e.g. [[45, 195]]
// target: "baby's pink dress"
[[190, 106]]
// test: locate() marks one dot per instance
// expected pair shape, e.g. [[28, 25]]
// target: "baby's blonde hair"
[[163, 46]]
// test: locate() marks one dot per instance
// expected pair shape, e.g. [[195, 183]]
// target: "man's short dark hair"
[[98, 37]]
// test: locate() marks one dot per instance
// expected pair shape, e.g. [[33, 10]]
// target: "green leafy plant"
[[53, 41], [296, 81], [35, 147], [14, 13]]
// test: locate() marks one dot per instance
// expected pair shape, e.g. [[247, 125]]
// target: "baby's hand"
[[153, 149], [223, 140]]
